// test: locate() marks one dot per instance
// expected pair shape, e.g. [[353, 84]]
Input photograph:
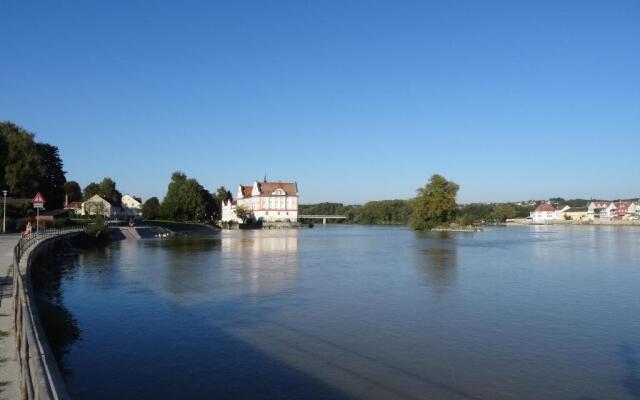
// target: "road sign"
[[38, 201]]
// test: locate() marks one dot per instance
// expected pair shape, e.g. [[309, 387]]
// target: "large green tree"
[[106, 189], [73, 191], [435, 204], [52, 180], [27, 167], [187, 200], [151, 208], [21, 162], [502, 212]]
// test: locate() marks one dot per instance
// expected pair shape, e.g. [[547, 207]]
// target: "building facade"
[[97, 205], [544, 213], [264, 202], [131, 206]]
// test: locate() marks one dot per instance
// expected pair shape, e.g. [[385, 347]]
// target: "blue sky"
[[356, 100]]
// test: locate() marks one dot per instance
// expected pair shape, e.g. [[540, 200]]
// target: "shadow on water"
[[217, 365], [631, 381], [47, 273]]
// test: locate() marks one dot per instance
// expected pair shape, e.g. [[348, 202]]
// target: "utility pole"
[[4, 212]]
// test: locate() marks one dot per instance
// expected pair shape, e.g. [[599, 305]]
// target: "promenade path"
[[9, 368]]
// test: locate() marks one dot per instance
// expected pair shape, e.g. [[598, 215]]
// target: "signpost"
[[38, 204]]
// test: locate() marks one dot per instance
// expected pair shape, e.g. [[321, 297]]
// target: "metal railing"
[[39, 375]]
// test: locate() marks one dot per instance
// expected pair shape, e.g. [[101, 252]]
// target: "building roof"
[[74, 205], [290, 188], [578, 209], [246, 190], [544, 207]]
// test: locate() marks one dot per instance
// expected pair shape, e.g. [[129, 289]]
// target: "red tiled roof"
[[290, 188], [246, 190], [545, 207]]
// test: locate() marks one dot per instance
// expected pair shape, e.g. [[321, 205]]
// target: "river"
[[336, 312]]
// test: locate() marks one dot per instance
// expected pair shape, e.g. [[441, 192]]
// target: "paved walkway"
[[8, 362]]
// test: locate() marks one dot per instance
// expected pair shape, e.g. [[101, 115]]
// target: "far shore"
[[526, 222]]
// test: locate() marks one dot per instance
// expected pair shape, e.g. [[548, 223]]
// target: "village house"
[[633, 212], [98, 205], [575, 213], [544, 213], [131, 206], [595, 209], [265, 201]]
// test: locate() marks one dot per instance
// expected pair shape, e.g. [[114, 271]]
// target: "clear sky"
[[356, 100]]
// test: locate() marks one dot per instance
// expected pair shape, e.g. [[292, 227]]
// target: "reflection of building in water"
[[265, 262]]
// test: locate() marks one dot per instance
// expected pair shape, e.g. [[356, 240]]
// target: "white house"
[[132, 206], [595, 208], [544, 213], [560, 212], [266, 201], [97, 205]]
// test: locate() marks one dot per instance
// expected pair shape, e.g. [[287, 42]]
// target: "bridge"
[[324, 218]]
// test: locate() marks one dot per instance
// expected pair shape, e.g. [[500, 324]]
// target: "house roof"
[[578, 209], [544, 207], [74, 205], [246, 190], [290, 188]]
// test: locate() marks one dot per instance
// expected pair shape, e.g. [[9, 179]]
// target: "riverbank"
[[528, 222], [181, 227]]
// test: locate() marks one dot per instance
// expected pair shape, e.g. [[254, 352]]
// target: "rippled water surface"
[[358, 312]]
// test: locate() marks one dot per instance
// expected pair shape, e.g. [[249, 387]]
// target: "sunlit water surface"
[[358, 312]]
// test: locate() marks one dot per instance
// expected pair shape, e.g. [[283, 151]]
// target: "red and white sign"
[[38, 200]]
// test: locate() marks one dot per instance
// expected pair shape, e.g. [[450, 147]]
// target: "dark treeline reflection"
[[438, 258], [48, 270]]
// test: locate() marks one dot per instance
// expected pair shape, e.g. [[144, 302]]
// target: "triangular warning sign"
[[38, 199]]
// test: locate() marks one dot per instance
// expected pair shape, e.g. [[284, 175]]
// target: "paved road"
[[8, 362]]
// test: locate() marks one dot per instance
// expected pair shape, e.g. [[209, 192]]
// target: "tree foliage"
[[73, 191], [27, 167], [151, 208], [243, 213], [502, 212], [52, 181], [106, 189], [435, 204], [382, 212], [187, 200]]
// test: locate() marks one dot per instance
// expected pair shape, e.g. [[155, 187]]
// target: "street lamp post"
[[4, 212]]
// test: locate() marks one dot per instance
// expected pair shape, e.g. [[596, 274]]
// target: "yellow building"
[[576, 213]]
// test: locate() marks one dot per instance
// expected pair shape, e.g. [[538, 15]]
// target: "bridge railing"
[[39, 377]]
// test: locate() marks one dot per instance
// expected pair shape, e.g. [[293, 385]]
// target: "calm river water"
[[357, 312]]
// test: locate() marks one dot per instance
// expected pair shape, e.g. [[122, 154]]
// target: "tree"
[[151, 208], [52, 181], [21, 164], [243, 213], [223, 194], [502, 212], [91, 190], [187, 200], [384, 212], [106, 189], [435, 204], [73, 191]]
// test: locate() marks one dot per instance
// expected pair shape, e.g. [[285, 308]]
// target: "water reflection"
[[437, 255], [264, 262]]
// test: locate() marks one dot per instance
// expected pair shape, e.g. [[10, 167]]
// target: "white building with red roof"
[[266, 201], [544, 213]]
